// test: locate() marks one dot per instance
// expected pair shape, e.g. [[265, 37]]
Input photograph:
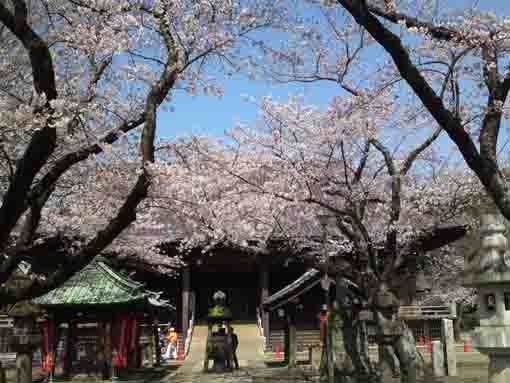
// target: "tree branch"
[[127, 213], [438, 32], [486, 170], [363, 161], [43, 141], [414, 154], [38, 51]]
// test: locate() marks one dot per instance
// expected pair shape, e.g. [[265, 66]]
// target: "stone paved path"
[[251, 361]]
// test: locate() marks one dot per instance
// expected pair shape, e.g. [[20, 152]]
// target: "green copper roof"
[[97, 284]]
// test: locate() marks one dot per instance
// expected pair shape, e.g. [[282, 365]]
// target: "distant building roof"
[[293, 290], [98, 285]]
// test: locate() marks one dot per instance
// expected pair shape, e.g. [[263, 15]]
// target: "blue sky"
[[212, 116]]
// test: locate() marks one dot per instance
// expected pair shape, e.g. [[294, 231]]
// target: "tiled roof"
[[98, 285], [293, 290]]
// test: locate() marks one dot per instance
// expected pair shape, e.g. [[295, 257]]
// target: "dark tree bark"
[[356, 347], [398, 341], [43, 142]]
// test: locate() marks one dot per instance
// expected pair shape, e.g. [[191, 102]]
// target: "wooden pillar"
[[292, 343], [286, 343], [186, 293], [206, 355], [69, 349], [108, 341], [54, 345], [264, 294], [157, 348]]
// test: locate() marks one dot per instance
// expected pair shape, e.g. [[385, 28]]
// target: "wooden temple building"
[[246, 278], [104, 310], [252, 281]]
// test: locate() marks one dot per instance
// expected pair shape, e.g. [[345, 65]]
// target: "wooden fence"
[[428, 312]]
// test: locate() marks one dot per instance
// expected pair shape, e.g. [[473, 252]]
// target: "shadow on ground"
[[142, 375]]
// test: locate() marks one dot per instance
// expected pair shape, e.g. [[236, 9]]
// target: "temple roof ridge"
[[98, 285]]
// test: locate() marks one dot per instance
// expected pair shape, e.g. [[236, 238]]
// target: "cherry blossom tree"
[[388, 204], [93, 73], [474, 47]]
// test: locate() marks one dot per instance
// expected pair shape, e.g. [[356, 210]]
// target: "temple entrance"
[[241, 290]]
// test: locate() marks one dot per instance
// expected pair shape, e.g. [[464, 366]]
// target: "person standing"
[[323, 318], [235, 343], [171, 351]]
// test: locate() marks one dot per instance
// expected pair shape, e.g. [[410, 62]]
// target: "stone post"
[[448, 337], [438, 365]]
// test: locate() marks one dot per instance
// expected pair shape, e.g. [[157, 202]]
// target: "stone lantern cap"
[[490, 263], [25, 336]]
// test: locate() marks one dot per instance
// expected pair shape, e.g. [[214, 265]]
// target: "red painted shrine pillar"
[[134, 357], [48, 335], [264, 294], [186, 294], [45, 346]]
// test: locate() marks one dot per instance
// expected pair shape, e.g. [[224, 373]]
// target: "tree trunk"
[[389, 365], [405, 349], [327, 367], [357, 367], [355, 340], [400, 343], [23, 367]]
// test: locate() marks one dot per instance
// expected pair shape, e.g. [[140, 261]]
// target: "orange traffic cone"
[[466, 346], [277, 352]]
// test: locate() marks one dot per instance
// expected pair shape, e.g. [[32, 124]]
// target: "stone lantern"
[[488, 270], [25, 339], [218, 344]]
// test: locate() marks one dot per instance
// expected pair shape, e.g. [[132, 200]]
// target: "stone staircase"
[[305, 339], [249, 354]]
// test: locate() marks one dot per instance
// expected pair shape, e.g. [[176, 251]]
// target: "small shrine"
[[488, 270], [99, 297], [219, 339]]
